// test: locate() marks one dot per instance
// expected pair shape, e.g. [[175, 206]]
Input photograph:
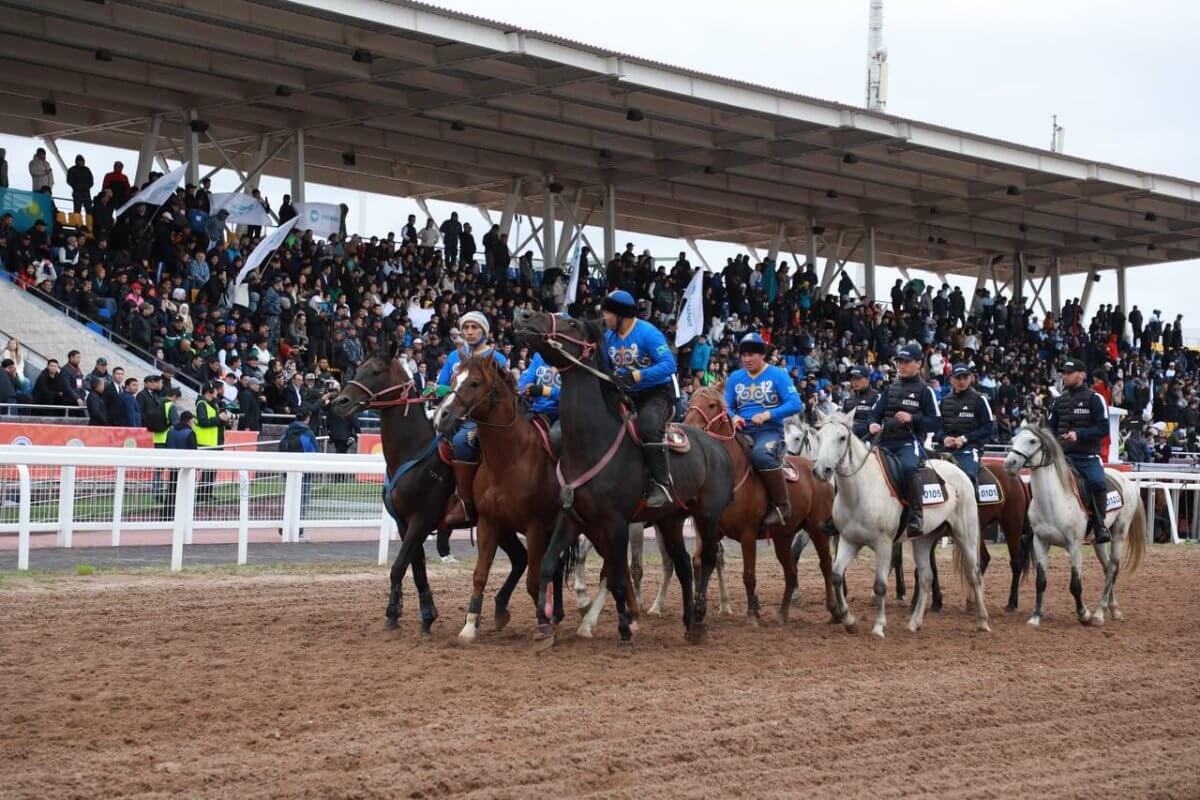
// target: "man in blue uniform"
[[861, 400], [644, 366], [760, 398], [475, 329], [967, 422], [541, 383], [1079, 418], [904, 414]]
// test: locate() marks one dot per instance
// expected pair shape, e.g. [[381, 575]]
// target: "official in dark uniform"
[[905, 413], [861, 401], [1079, 418], [967, 422]]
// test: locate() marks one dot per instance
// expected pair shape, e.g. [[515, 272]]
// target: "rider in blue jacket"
[[760, 397], [542, 383], [644, 367], [475, 329]]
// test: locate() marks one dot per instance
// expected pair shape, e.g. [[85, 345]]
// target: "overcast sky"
[[1118, 74]]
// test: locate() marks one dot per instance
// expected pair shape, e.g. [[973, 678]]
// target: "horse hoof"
[[727, 610], [392, 623], [877, 632], [633, 627], [983, 627], [1116, 615], [1096, 621], [655, 610], [796, 597], [582, 602], [754, 621], [1035, 621], [625, 645], [543, 638], [467, 635], [1011, 608], [781, 618], [584, 632], [850, 625], [913, 627], [936, 607], [697, 632], [1085, 618], [502, 619]]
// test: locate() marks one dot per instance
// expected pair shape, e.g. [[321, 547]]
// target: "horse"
[[419, 483], [865, 514], [603, 473], [515, 488], [811, 502], [1011, 515], [1057, 518]]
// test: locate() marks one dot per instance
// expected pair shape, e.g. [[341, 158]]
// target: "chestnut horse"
[[811, 504]]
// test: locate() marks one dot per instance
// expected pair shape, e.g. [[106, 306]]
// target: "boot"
[[781, 506], [464, 482], [916, 508], [828, 528], [1100, 533], [660, 475]]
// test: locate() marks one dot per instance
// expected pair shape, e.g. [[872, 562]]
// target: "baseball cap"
[[859, 371], [960, 370], [909, 352], [1074, 365], [310, 377]]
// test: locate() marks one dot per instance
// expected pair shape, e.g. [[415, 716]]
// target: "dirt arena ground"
[[288, 685]]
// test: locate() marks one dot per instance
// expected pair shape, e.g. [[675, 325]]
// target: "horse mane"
[[614, 397], [1054, 452], [711, 392]]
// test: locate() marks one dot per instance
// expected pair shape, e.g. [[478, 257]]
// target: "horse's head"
[[834, 444], [1031, 447], [707, 410], [562, 341], [379, 377], [478, 387], [800, 439]]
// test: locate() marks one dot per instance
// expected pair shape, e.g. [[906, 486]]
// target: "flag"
[[691, 316], [243, 209], [323, 219], [264, 249], [573, 284], [158, 192], [27, 208]]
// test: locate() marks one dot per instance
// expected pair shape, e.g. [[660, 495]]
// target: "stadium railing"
[[65, 490]]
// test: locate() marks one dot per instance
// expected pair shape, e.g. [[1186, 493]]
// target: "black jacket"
[[151, 406], [97, 409], [249, 410]]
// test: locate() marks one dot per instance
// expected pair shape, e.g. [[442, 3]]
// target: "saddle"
[[445, 451], [935, 488], [1112, 498], [549, 436], [790, 465]]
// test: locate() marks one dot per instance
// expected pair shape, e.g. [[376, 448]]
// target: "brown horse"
[[811, 504], [515, 486], [1012, 518]]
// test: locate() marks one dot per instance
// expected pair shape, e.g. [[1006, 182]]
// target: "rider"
[[1079, 417], [967, 422], [861, 401], [475, 329], [761, 397], [542, 383], [644, 367], [905, 412]]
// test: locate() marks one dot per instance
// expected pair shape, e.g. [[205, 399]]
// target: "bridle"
[[709, 422], [846, 454], [374, 399], [490, 399], [806, 433], [1027, 458], [555, 338]]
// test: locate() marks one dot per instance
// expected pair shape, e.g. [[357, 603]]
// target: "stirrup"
[[653, 495]]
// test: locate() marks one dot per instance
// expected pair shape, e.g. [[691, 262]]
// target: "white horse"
[[865, 514], [1057, 518]]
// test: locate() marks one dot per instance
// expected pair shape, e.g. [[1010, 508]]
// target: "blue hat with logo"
[[859, 371], [960, 370], [752, 343], [909, 352], [621, 303]]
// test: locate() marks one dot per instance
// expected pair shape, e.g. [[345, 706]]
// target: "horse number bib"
[[989, 494], [932, 495]]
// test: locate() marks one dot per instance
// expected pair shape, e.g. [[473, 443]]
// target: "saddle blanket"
[[1112, 499], [932, 494], [989, 492]]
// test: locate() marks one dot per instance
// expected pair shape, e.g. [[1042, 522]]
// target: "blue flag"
[[27, 208]]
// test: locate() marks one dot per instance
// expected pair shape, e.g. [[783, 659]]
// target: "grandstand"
[[407, 99]]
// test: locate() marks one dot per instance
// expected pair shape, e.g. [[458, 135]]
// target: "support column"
[[191, 149], [298, 166], [572, 230], [610, 223], [146, 155], [985, 272], [264, 156], [831, 264], [869, 265], [1088, 283], [509, 212], [776, 243], [811, 255], [1121, 298], [549, 249], [1056, 287], [1018, 277]]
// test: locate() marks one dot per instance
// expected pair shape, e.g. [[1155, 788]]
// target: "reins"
[[373, 398]]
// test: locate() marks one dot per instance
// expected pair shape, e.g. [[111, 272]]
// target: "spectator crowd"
[[163, 282]]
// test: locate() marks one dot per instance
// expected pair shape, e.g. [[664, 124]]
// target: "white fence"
[[65, 490]]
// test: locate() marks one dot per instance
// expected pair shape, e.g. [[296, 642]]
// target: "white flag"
[[323, 219], [243, 209], [264, 249], [573, 284], [158, 192], [691, 316], [419, 317]]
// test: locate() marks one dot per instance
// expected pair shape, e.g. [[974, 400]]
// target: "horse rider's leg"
[[637, 546], [581, 595], [488, 535], [846, 551], [800, 542], [655, 407], [707, 531], [723, 604], [898, 567], [1039, 555], [618, 546], [518, 558], [922, 549], [749, 543], [1075, 551], [883, 563], [783, 554], [429, 612], [674, 552]]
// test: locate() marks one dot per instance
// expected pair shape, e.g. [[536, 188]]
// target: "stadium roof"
[[437, 104]]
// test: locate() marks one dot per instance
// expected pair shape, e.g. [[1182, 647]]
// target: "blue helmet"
[[621, 303], [752, 343], [909, 352]]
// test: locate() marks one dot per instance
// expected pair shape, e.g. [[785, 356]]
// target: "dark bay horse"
[[419, 483], [1013, 520], [604, 476], [811, 502], [515, 487]]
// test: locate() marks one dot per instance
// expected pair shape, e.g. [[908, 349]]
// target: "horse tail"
[[571, 557], [1135, 538], [960, 568], [968, 519], [1026, 546]]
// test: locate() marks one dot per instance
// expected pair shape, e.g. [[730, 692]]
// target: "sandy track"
[[278, 686]]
